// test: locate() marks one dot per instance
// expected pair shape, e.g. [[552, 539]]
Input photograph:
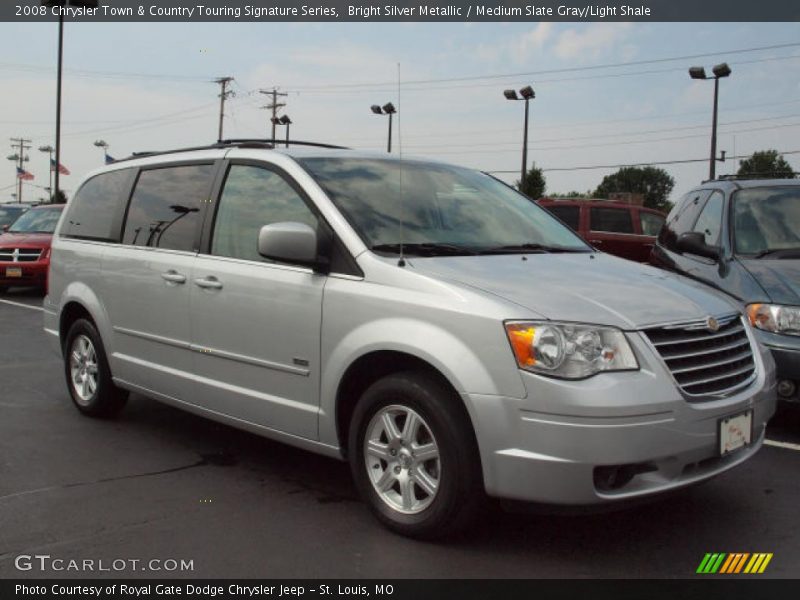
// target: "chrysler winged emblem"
[[712, 324]]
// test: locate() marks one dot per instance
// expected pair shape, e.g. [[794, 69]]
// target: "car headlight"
[[775, 318], [569, 350]]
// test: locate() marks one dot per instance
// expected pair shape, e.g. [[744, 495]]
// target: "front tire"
[[414, 457], [88, 376]]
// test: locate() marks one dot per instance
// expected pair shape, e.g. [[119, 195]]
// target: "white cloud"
[[592, 41]]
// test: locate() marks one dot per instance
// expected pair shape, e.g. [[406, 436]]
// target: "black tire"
[[3, 289], [104, 399], [459, 494]]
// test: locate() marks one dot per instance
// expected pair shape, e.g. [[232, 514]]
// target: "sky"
[[143, 87]]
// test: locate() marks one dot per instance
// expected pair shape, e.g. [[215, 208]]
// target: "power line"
[[550, 71], [642, 164]]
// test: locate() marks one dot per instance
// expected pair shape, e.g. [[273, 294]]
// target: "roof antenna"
[[402, 261]]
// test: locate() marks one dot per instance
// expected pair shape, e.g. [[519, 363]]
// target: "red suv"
[[625, 230], [25, 248]]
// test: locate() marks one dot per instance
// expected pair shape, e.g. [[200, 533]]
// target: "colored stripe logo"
[[734, 563]]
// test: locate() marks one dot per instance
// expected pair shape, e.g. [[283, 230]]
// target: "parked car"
[[743, 237], [25, 247], [432, 326], [10, 213], [620, 229]]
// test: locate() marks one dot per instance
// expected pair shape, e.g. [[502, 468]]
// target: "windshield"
[[765, 220], [9, 214], [444, 209], [43, 220]]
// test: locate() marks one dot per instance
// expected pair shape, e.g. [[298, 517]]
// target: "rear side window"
[[569, 214], [94, 211], [651, 224], [166, 207], [615, 220]]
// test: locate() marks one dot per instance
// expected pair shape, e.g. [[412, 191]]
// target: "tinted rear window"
[[94, 211], [615, 220], [569, 214], [165, 210]]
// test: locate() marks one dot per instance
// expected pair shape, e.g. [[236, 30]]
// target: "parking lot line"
[[785, 445], [12, 303]]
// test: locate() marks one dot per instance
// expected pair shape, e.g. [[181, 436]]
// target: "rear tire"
[[414, 457], [88, 376]]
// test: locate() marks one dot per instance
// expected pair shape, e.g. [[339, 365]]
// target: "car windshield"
[[437, 209], [765, 221], [42, 220], [9, 214]]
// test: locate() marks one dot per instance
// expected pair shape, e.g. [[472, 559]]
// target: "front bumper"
[[31, 274], [785, 351], [549, 446]]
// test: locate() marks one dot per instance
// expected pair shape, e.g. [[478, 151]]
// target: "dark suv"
[[743, 237]]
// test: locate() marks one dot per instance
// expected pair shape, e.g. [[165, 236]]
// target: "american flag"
[[24, 175], [61, 168]]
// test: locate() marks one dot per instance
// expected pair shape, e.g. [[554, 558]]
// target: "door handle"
[[209, 283], [173, 277]]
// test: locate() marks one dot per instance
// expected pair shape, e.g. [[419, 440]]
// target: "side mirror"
[[694, 242], [6, 228], [293, 243]]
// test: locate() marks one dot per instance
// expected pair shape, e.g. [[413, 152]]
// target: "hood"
[[34, 240], [780, 278], [590, 288]]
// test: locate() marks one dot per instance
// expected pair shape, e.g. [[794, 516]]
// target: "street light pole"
[[50, 150], [61, 4], [525, 143], [527, 94], [387, 109], [720, 71], [712, 170]]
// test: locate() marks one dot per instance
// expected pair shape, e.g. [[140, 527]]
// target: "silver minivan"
[[427, 323]]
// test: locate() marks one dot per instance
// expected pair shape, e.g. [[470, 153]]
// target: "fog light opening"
[[615, 477], [786, 388]]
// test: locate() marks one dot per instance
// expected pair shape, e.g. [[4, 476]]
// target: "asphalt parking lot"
[[158, 483]]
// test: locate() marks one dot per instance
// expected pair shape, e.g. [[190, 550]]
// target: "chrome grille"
[[705, 362], [20, 254]]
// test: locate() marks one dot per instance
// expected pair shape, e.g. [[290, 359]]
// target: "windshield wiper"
[[779, 253], [425, 249], [529, 249]]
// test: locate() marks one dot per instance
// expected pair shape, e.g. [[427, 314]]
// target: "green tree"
[[534, 184], [654, 183], [60, 197], [572, 194], [766, 164]]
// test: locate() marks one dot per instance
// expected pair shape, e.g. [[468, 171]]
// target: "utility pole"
[[274, 106], [20, 145], [224, 93]]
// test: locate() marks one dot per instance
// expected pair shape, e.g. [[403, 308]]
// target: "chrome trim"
[[249, 360], [730, 346], [151, 337], [695, 398], [703, 323]]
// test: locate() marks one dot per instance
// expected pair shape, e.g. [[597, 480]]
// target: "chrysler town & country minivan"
[[425, 322]]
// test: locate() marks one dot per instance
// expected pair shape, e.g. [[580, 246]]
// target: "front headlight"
[[775, 318], [569, 350]]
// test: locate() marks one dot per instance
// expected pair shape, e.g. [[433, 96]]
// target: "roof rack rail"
[[233, 143], [276, 143], [749, 176]]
